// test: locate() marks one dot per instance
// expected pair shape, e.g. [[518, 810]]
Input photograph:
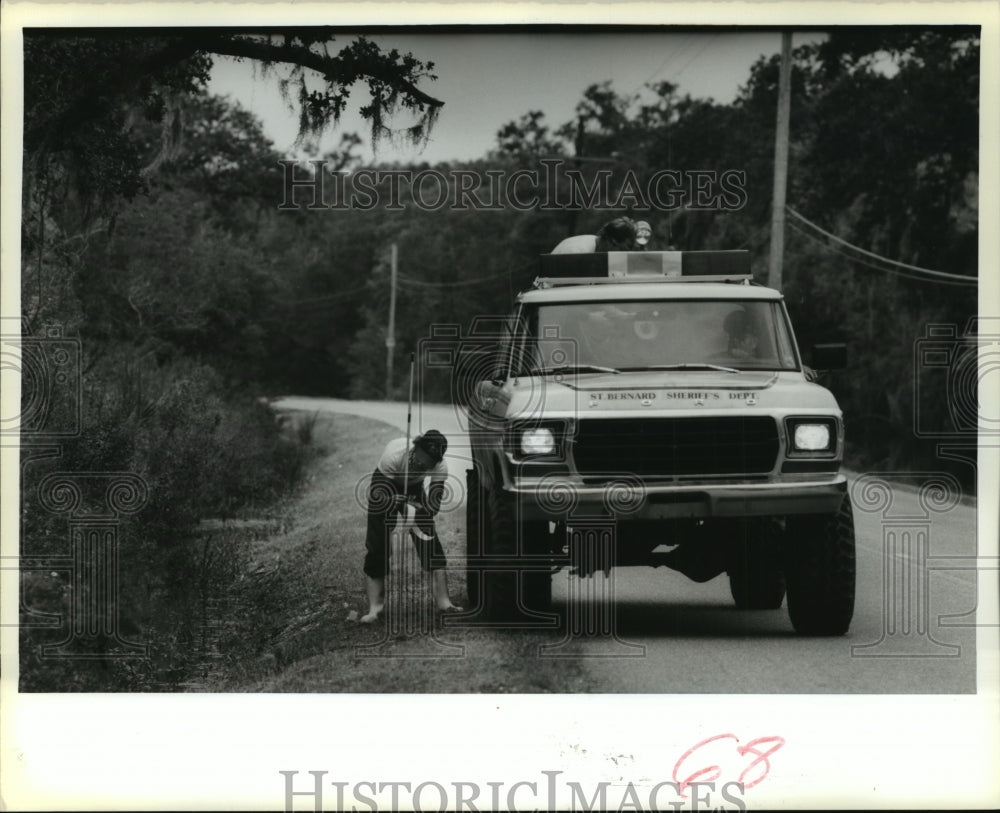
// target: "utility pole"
[[780, 163], [390, 334]]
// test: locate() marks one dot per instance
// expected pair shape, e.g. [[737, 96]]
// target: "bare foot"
[[371, 615]]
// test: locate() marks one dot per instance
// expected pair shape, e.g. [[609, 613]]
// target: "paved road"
[[673, 635]]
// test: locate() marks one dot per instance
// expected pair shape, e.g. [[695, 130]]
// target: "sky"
[[488, 79]]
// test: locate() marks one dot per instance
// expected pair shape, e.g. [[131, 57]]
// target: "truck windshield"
[[735, 334]]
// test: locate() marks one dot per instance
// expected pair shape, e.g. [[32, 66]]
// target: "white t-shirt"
[[577, 244], [393, 463]]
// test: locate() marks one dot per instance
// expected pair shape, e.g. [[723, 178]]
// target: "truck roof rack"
[[643, 266], [541, 283]]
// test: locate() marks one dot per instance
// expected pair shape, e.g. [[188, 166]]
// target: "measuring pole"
[[409, 420], [409, 406], [390, 334], [780, 163]]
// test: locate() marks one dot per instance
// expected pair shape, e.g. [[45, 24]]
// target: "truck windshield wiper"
[[575, 368], [685, 366]]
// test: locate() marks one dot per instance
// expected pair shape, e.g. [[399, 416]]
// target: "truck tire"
[[820, 571], [499, 542], [536, 582], [473, 536], [756, 579], [501, 587]]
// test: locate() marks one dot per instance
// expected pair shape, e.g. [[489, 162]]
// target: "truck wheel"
[[473, 536], [820, 571], [755, 577], [537, 583], [500, 587]]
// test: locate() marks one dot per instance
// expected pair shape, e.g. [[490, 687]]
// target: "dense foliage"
[[149, 237]]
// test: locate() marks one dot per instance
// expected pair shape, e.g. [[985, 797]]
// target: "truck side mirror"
[[831, 356], [478, 364], [473, 365]]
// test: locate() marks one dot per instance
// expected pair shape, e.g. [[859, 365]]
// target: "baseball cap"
[[432, 442]]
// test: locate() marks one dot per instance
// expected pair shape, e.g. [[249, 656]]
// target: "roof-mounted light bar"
[[647, 266]]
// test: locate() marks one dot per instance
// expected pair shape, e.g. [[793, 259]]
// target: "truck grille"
[[676, 446]]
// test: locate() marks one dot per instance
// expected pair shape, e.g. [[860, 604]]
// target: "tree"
[[528, 138], [224, 158], [85, 90], [103, 112], [906, 167], [602, 119], [146, 235], [884, 153], [898, 180]]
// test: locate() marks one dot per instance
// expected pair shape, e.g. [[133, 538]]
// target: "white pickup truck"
[[659, 397]]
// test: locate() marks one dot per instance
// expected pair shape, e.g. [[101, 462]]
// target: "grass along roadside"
[[315, 644]]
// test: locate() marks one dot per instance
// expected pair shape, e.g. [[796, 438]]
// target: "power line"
[[315, 300], [692, 59], [674, 54], [755, 238], [897, 273], [943, 275], [306, 305], [424, 284]]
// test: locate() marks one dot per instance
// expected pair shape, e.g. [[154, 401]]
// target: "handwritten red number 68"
[[752, 774]]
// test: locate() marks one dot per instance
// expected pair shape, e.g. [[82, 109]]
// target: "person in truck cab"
[[743, 338]]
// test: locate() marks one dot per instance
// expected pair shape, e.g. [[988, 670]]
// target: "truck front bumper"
[[547, 498]]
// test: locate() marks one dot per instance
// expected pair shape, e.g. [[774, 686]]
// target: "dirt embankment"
[[317, 645]]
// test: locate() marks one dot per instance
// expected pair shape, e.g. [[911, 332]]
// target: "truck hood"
[[646, 392]]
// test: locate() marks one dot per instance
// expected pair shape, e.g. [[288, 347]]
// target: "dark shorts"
[[382, 493]]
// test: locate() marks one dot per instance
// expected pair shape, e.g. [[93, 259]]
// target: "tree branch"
[[95, 99], [98, 96], [334, 69]]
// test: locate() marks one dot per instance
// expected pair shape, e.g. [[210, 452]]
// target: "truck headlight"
[[537, 441], [811, 437]]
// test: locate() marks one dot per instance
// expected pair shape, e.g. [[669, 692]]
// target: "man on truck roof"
[[619, 234]]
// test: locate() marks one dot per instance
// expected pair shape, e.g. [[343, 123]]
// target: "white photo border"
[[152, 752]]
